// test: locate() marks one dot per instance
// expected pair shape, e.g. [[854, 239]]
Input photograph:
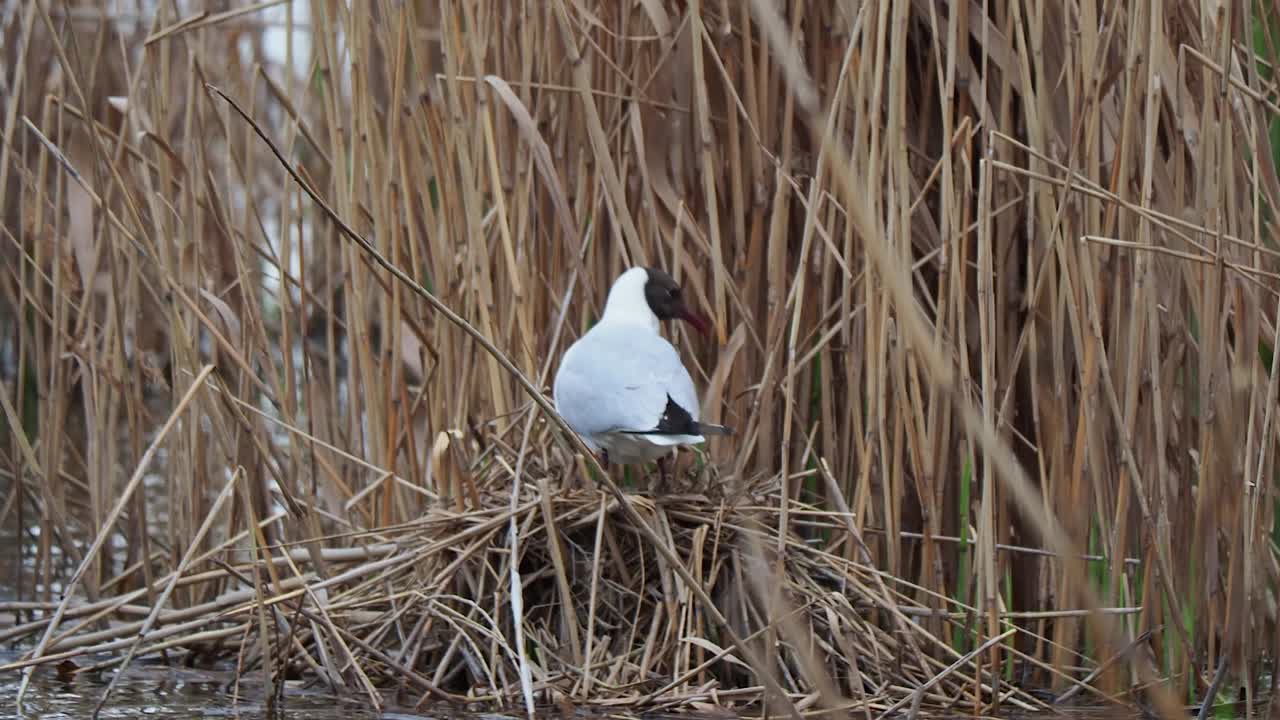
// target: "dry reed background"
[[957, 255]]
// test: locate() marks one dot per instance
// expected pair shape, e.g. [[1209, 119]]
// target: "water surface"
[[156, 691]]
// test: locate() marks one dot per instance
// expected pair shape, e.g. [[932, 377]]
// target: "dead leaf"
[[230, 322]]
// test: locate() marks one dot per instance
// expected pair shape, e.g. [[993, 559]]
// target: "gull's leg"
[[663, 475], [604, 465]]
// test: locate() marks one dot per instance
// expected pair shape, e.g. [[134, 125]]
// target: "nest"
[[424, 612]]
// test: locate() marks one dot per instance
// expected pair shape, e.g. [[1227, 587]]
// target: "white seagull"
[[622, 386]]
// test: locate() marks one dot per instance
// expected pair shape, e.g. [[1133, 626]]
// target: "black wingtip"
[[675, 420]]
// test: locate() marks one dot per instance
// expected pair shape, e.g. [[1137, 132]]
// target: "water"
[[157, 691]]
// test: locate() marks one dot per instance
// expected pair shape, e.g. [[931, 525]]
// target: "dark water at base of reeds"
[[158, 691], [161, 692], [151, 690]]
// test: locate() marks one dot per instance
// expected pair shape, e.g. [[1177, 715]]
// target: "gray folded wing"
[[618, 378]]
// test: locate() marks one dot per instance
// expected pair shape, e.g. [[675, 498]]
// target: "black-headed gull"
[[622, 386]]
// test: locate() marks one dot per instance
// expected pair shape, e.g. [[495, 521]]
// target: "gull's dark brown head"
[[666, 300]]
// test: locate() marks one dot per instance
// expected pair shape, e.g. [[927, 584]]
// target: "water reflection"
[[156, 691]]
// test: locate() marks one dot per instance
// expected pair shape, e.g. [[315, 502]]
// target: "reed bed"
[[420, 613], [994, 284]]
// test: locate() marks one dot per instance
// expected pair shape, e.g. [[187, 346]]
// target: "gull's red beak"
[[694, 319]]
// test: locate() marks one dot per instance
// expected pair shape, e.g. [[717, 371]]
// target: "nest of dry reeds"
[[424, 612]]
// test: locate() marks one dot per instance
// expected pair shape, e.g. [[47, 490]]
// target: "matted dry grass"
[[995, 292], [422, 612]]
